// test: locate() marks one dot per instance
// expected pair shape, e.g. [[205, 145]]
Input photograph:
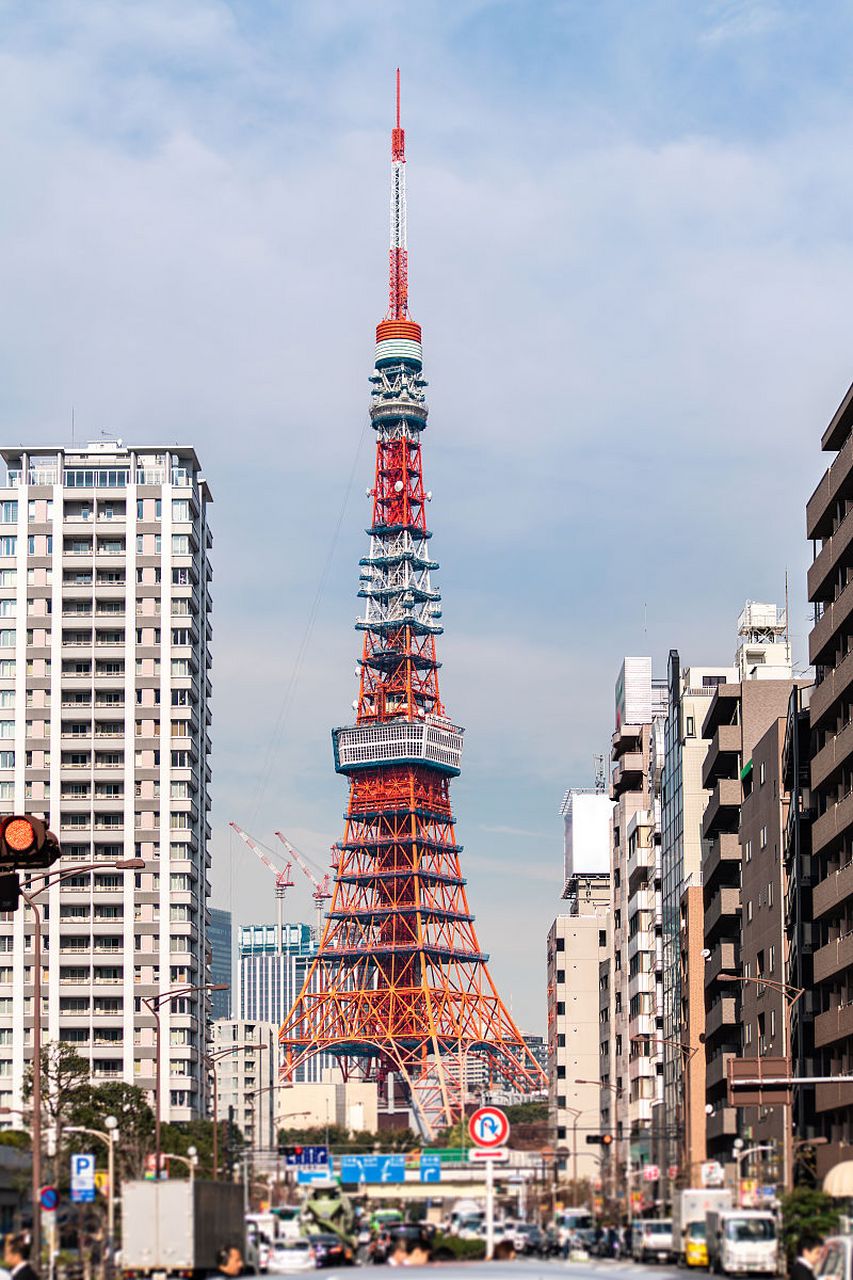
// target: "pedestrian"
[[808, 1256], [504, 1251], [16, 1255], [229, 1261]]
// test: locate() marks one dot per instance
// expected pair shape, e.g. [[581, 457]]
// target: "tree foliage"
[[135, 1132], [807, 1212], [342, 1139]]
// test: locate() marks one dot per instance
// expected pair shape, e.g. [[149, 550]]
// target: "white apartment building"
[[104, 712], [246, 1078], [632, 987]]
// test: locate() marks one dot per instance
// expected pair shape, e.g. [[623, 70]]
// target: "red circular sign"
[[488, 1127]]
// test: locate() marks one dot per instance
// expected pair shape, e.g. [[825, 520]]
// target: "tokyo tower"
[[400, 985]]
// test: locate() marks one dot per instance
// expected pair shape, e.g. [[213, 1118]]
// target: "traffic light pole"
[[35, 1191]]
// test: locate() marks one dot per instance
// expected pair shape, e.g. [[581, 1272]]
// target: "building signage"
[[83, 1179]]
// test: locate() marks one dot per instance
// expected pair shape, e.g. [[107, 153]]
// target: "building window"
[[762, 773], [749, 911], [762, 838], [602, 937], [770, 894], [691, 727], [8, 546], [747, 851]]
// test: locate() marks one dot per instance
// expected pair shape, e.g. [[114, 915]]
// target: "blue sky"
[[631, 253]]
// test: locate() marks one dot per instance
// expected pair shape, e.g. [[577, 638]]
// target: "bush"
[[452, 1249], [806, 1212]]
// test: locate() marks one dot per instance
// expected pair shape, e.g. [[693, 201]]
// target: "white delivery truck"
[[742, 1242], [688, 1222], [178, 1227]]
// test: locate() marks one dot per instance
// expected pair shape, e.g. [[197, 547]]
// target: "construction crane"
[[283, 881], [322, 888]]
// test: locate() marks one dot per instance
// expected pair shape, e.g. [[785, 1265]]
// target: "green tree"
[[176, 1139], [64, 1076], [807, 1212], [135, 1134]]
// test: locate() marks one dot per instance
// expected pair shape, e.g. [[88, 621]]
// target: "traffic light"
[[25, 843], [600, 1139], [607, 1139]]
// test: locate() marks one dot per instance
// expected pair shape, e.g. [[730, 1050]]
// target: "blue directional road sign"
[[83, 1179], [373, 1168], [430, 1168], [306, 1176], [307, 1156]]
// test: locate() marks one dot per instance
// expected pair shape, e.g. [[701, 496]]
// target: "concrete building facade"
[[680, 1120], [246, 1076], [105, 688], [272, 972], [577, 947], [631, 1018]]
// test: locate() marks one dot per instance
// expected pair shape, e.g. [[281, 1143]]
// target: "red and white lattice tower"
[[400, 984]]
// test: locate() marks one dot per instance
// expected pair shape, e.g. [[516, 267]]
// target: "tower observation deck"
[[400, 987]]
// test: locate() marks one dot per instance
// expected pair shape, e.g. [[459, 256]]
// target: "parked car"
[[291, 1255]]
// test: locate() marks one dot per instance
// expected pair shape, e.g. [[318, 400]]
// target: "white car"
[[291, 1255]]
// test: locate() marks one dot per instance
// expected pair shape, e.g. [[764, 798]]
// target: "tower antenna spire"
[[398, 284]]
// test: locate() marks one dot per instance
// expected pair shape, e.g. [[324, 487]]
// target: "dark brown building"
[[737, 719], [765, 1030], [829, 521]]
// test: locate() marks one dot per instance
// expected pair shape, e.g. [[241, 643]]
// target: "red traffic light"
[[26, 842], [606, 1139], [297, 1151]]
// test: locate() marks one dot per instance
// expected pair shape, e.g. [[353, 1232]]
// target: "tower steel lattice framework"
[[400, 984]]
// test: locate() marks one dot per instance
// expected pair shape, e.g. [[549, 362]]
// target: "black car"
[[329, 1251]]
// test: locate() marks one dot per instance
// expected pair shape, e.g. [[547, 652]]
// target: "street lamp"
[[111, 1125], [688, 1053], [790, 995], [190, 1160], [152, 1004], [575, 1113], [50, 878]]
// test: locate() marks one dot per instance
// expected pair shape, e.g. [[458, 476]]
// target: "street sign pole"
[[490, 1210]]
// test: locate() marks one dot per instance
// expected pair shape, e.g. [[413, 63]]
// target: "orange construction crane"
[[322, 888], [283, 881]]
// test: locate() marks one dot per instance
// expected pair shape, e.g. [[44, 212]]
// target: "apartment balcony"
[[723, 708], [835, 1024], [641, 1068], [642, 1027], [833, 958], [723, 913], [722, 1124], [836, 684], [641, 983], [723, 807], [720, 856], [832, 756], [837, 552], [641, 861], [836, 483], [828, 829], [642, 940], [822, 638], [723, 754], [627, 738], [832, 1097], [717, 1073], [724, 958], [722, 1014], [627, 774], [832, 893]]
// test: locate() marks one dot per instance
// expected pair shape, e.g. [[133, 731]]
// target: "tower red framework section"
[[400, 985]]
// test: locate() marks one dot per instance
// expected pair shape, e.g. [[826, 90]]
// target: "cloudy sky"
[[630, 236]]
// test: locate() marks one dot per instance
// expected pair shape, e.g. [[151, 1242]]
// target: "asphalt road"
[[527, 1269]]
